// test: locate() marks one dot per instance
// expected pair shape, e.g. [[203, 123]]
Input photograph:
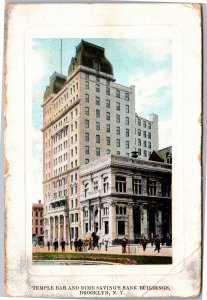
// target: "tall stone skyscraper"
[[86, 115]]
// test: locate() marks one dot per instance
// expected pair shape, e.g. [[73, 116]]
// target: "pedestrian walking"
[[55, 244], [157, 245], [76, 245], [144, 244], [124, 243], [106, 244], [71, 245], [63, 245], [48, 245]]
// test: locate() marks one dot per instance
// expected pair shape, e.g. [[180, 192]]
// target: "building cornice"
[[61, 115]]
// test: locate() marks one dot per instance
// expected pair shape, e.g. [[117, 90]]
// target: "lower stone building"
[[125, 197]]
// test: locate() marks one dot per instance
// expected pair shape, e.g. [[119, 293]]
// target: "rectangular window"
[[97, 138], [149, 125], [127, 121], [144, 134], [95, 186], [144, 124], [86, 228], [76, 217], [97, 100], [87, 76], [86, 136], [127, 132], [107, 90], [86, 161], [105, 184], [108, 151], [106, 227], [127, 108], [117, 118], [117, 93], [118, 153], [87, 111], [149, 145], [137, 186], [107, 115], [97, 113], [145, 143], [149, 135], [152, 188], [117, 106], [121, 184], [86, 98], [145, 153], [139, 151], [97, 88], [121, 227], [97, 151], [118, 130], [117, 142], [97, 79], [107, 127], [86, 85], [107, 103], [139, 142], [86, 123], [97, 125], [86, 189], [127, 144], [108, 140], [86, 149], [139, 122], [139, 132], [127, 96]]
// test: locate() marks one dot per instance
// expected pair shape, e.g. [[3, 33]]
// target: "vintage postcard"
[[103, 127]]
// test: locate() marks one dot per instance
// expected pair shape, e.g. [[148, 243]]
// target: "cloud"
[[153, 95], [165, 132], [155, 49]]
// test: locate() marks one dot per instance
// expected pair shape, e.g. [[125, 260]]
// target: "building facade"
[[146, 135], [125, 197], [86, 115], [37, 221]]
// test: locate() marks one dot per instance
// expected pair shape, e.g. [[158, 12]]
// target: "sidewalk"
[[131, 249]]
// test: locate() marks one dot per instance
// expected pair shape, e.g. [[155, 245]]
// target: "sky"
[[145, 63]]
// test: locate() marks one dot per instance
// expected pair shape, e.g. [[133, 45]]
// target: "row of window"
[[145, 134], [60, 147], [144, 123], [139, 142], [41, 230], [38, 222], [108, 90], [74, 88], [121, 186], [108, 117], [60, 170], [60, 182], [37, 213], [60, 194], [74, 203], [60, 158], [108, 104], [60, 135], [73, 218]]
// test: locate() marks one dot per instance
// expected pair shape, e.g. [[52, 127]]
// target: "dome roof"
[[91, 56]]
